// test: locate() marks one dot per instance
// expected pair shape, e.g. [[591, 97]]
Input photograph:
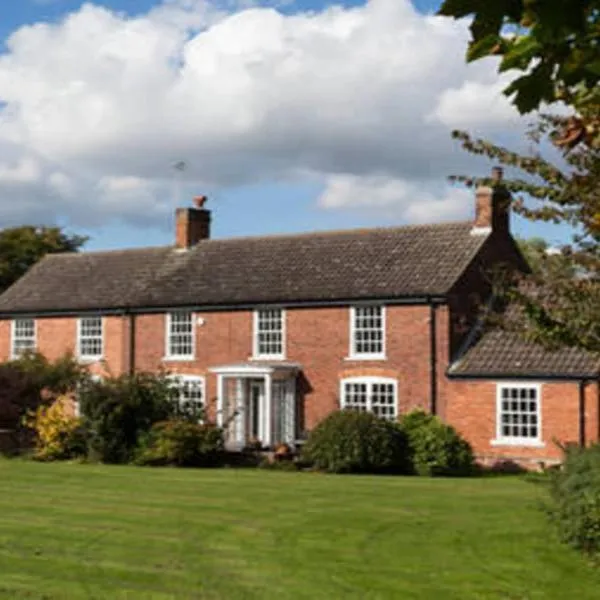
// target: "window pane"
[[190, 396], [181, 339], [23, 336], [518, 418], [90, 337], [368, 330], [376, 396], [269, 332], [355, 396]]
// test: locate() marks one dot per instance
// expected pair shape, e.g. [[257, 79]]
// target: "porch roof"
[[257, 368]]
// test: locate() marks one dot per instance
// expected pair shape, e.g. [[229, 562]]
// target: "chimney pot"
[[200, 201]]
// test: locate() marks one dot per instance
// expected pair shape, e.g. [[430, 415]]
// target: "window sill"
[[178, 358], [366, 357], [267, 357], [519, 443], [90, 359]]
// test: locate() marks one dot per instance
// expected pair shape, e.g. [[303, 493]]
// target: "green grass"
[[86, 531]]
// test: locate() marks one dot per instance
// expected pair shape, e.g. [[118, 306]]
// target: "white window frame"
[[255, 345], [353, 355], [90, 357], [168, 355], [13, 329], [502, 440], [178, 378], [369, 381]]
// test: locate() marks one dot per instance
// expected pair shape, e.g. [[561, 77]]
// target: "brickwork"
[[473, 412], [319, 340]]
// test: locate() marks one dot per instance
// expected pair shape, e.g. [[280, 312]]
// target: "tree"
[[544, 259], [22, 247], [559, 303], [555, 43]]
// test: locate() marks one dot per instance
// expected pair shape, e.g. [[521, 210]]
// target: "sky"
[[289, 115]]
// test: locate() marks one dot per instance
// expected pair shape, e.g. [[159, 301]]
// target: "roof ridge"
[[334, 232], [113, 251]]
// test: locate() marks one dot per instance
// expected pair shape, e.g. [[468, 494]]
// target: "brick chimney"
[[492, 206], [192, 225]]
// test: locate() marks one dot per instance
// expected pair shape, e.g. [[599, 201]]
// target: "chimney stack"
[[192, 225], [492, 206]]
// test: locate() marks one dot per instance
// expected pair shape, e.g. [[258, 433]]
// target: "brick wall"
[[472, 410], [318, 339]]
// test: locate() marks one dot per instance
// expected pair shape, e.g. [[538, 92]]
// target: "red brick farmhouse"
[[283, 330]]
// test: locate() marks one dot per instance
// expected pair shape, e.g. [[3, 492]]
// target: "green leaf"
[[532, 89], [521, 53], [458, 8], [482, 47]]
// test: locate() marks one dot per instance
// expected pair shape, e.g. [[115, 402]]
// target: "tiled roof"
[[501, 353], [329, 266]]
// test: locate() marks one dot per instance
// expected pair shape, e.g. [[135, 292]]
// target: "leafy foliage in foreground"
[[574, 505], [553, 43], [59, 434], [32, 381], [182, 444], [357, 442], [558, 304], [435, 447], [118, 411]]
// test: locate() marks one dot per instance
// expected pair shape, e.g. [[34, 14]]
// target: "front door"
[[255, 410]]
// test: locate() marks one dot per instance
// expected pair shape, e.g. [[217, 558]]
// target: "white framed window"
[[378, 395], [191, 390], [367, 331], [180, 335], [23, 337], [90, 337], [269, 333], [518, 414]]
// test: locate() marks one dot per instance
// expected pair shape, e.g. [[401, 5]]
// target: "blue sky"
[[287, 128]]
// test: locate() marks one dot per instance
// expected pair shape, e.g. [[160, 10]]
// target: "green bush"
[[356, 442], [574, 505], [118, 411], [435, 447], [30, 382], [183, 444]]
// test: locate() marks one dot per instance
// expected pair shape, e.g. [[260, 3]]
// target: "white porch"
[[257, 402]]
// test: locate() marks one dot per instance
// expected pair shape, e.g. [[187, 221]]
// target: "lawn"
[[80, 531]]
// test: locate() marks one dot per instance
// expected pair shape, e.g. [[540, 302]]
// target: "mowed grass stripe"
[[92, 531]]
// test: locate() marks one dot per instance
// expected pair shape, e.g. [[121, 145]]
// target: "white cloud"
[[408, 201], [106, 104]]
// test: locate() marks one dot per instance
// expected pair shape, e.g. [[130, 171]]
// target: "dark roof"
[[359, 264], [501, 353]]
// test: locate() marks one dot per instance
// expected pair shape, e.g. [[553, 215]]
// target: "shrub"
[[182, 444], [355, 442], [30, 382], [118, 411], [574, 505], [435, 447], [58, 432]]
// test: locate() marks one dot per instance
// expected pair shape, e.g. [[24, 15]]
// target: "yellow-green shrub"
[[58, 432]]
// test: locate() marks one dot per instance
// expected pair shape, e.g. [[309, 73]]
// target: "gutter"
[[432, 358], [525, 377], [131, 344], [121, 310], [582, 385]]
